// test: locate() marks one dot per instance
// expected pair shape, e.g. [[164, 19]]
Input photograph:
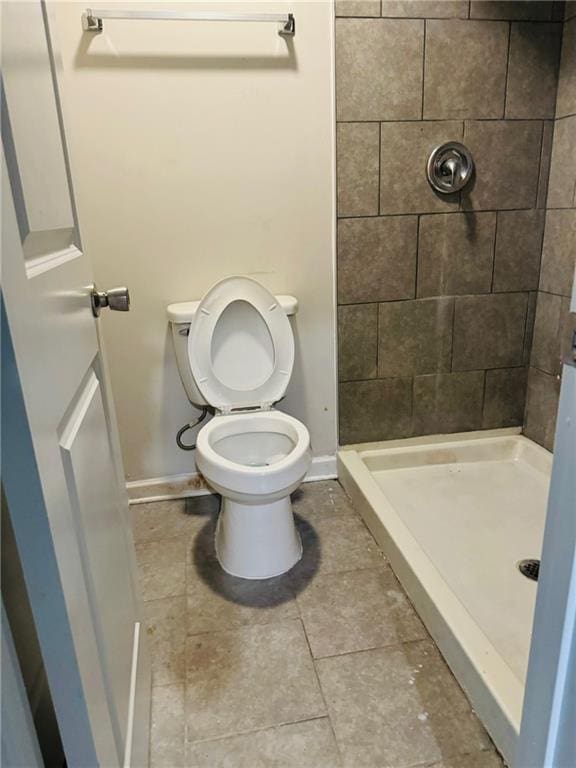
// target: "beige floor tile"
[[167, 727], [318, 500], [159, 520], [357, 610], [338, 544], [218, 601], [299, 745], [250, 678], [488, 759], [162, 568], [398, 706], [166, 632]]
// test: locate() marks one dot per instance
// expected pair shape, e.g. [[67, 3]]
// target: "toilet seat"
[[240, 346], [227, 474]]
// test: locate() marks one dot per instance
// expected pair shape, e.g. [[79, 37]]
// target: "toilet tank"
[[180, 316]]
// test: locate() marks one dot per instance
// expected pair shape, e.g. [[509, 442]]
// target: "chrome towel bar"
[[92, 19]]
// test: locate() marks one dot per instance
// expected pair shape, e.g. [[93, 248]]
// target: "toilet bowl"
[[235, 352], [255, 461]]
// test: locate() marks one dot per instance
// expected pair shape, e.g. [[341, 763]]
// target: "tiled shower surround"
[[553, 325], [436, 294]]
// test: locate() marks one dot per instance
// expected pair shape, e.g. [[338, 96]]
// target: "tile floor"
[[326, 667]]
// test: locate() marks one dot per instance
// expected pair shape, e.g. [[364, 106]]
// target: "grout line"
[[483, 408], [451, 369], [423, 68], [379, 168], [450, 211], [377, 338], [321, 691], [418, 221], [507, 70], [397, 645], [455, 119], [232, 734], [494, 252], [449, 296]]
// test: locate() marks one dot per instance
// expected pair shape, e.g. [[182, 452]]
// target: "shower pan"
[[455, 515]]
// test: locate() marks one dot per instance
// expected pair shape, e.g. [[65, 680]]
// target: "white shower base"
[[454, 514]]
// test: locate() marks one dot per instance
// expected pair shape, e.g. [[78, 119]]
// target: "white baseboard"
[[193, 484]]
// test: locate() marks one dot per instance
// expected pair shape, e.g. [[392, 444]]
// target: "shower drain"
[[529, 568]]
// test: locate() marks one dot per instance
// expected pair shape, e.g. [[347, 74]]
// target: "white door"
[[61, 463], [548, 732]]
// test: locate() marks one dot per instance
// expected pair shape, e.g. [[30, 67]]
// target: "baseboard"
[[193, 484]]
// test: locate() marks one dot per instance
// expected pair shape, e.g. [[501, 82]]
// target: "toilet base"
[[257, 541]]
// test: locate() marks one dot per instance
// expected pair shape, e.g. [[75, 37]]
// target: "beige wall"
[[200, 151]]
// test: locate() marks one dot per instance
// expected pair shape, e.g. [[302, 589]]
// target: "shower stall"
[[456, 152]]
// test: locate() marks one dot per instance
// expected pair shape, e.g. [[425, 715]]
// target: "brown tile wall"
[[554, 325], [437, 294]]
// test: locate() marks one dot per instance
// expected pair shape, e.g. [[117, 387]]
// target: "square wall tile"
[[562, 181], [526, 10], [407, 146], [505, 398], [533, 70], [489, 331], [375, 410], [357, 341], [566, 99], [379, 69], [477, 52], [541, 407], [398, 707], [425, 9], [455, 253], [357, 168], [518, 248], [448, 402], [377, 258], [414, 337], [559, 252], [507, 158], [358, 8], [546, 344]]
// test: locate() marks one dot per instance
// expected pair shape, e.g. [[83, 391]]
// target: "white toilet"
[[235, 352]]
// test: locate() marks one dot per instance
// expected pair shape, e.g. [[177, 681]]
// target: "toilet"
[[235, 353]]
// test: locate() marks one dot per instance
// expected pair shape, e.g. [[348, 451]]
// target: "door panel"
[[44, 206], [47, 280], [91, 485]]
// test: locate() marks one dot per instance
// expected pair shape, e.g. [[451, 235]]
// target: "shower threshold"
[[455, 514]]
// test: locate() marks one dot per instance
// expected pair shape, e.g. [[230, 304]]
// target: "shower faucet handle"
[[450, 167]]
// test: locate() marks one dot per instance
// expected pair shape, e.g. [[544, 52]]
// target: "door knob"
[[117, 299]]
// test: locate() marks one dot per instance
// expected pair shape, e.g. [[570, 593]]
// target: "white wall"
[[198, 151]]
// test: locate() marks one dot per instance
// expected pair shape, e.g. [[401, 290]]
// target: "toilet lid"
[[240, 346]]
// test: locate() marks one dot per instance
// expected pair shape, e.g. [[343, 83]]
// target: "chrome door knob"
[[117, 299]]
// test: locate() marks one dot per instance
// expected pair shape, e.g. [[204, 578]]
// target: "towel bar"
[[92, 19]]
